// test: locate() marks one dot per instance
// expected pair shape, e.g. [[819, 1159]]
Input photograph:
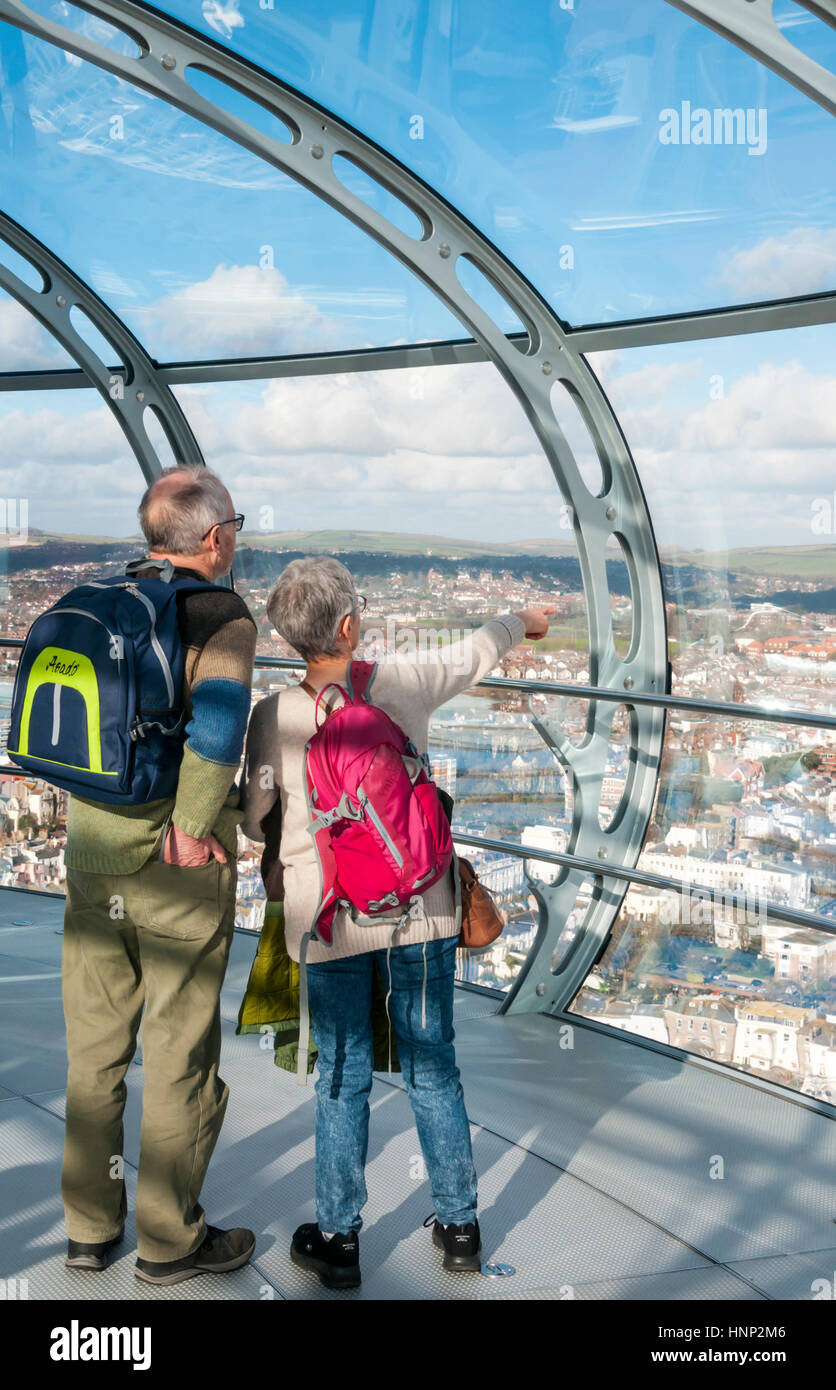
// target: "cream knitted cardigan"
[[408, 688]]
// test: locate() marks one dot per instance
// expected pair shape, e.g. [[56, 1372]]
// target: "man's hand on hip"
[[190, 853]]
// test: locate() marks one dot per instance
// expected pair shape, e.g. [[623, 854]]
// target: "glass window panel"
[[429, 482], [200, 247], [732, 985], [734, 441], [742, 805], [547, 126]]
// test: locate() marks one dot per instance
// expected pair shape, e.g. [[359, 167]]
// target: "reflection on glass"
[[722, 981], [597, 145], [242, 261], [748, 808]]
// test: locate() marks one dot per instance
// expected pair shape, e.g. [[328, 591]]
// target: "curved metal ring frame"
[[751, 25], [131, 389], [533, 369]]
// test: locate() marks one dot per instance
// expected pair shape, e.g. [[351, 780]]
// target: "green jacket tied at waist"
[[271, 1001]]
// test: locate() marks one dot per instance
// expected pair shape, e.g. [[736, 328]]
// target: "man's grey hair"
[[308, 602], [176, 522]]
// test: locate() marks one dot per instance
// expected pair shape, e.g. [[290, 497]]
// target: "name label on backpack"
[[62, 668]]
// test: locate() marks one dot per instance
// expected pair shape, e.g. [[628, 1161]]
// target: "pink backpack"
[[380, 830]]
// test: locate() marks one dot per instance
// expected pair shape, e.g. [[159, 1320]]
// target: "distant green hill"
[[774, 561], [789, 561], [806, 562], [397, 543]]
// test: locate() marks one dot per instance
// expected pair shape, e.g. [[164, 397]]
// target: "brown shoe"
[[220, 1252]]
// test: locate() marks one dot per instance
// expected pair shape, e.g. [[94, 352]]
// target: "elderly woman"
[[315, 607]]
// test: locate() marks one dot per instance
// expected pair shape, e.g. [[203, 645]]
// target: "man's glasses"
[[237, 521]]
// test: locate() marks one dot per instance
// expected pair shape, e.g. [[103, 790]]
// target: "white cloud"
[[782, 410], [652, 381], [450, 451], [777, 408], [241, 310], [458, 412], [74, 467], [44, 436], [223, 16], [24, 344], [742, 469], [803, 261], [593, 125]]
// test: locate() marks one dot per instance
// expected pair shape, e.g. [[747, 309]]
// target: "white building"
[[785, 884], [799, 955], [643, 1022], [502, 877], [553, 839], [686, 835], [767, 1036]]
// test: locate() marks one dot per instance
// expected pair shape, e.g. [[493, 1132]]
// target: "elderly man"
[[149, 920]]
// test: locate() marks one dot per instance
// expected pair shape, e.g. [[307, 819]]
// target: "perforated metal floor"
[[594, 1162]]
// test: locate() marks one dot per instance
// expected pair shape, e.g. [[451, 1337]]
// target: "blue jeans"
[[340, 1003]]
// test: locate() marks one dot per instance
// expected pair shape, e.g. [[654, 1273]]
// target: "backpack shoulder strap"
[[358, 678]]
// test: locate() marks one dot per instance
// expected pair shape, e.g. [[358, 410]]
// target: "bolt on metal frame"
[[130, 389]]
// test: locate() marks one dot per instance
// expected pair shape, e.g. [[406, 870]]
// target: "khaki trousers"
[[151, 945]]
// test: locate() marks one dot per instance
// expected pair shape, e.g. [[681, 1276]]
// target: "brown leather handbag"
[[482, 921]]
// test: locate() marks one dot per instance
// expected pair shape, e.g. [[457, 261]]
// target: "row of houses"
[[760, 1036]]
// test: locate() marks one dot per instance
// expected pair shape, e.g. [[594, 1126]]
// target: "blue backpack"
[[97, 706]]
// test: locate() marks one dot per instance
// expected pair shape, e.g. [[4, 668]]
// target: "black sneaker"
[[462, 1245], [336, 1261], [86, 1256], [220, 1252]]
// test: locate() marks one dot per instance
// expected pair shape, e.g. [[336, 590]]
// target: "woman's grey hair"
[[308, 602], [175, 520]]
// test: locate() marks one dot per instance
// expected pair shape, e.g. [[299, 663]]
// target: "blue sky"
[[542, 124]]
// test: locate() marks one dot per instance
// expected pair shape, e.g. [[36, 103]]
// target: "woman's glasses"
[[358, 607]]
